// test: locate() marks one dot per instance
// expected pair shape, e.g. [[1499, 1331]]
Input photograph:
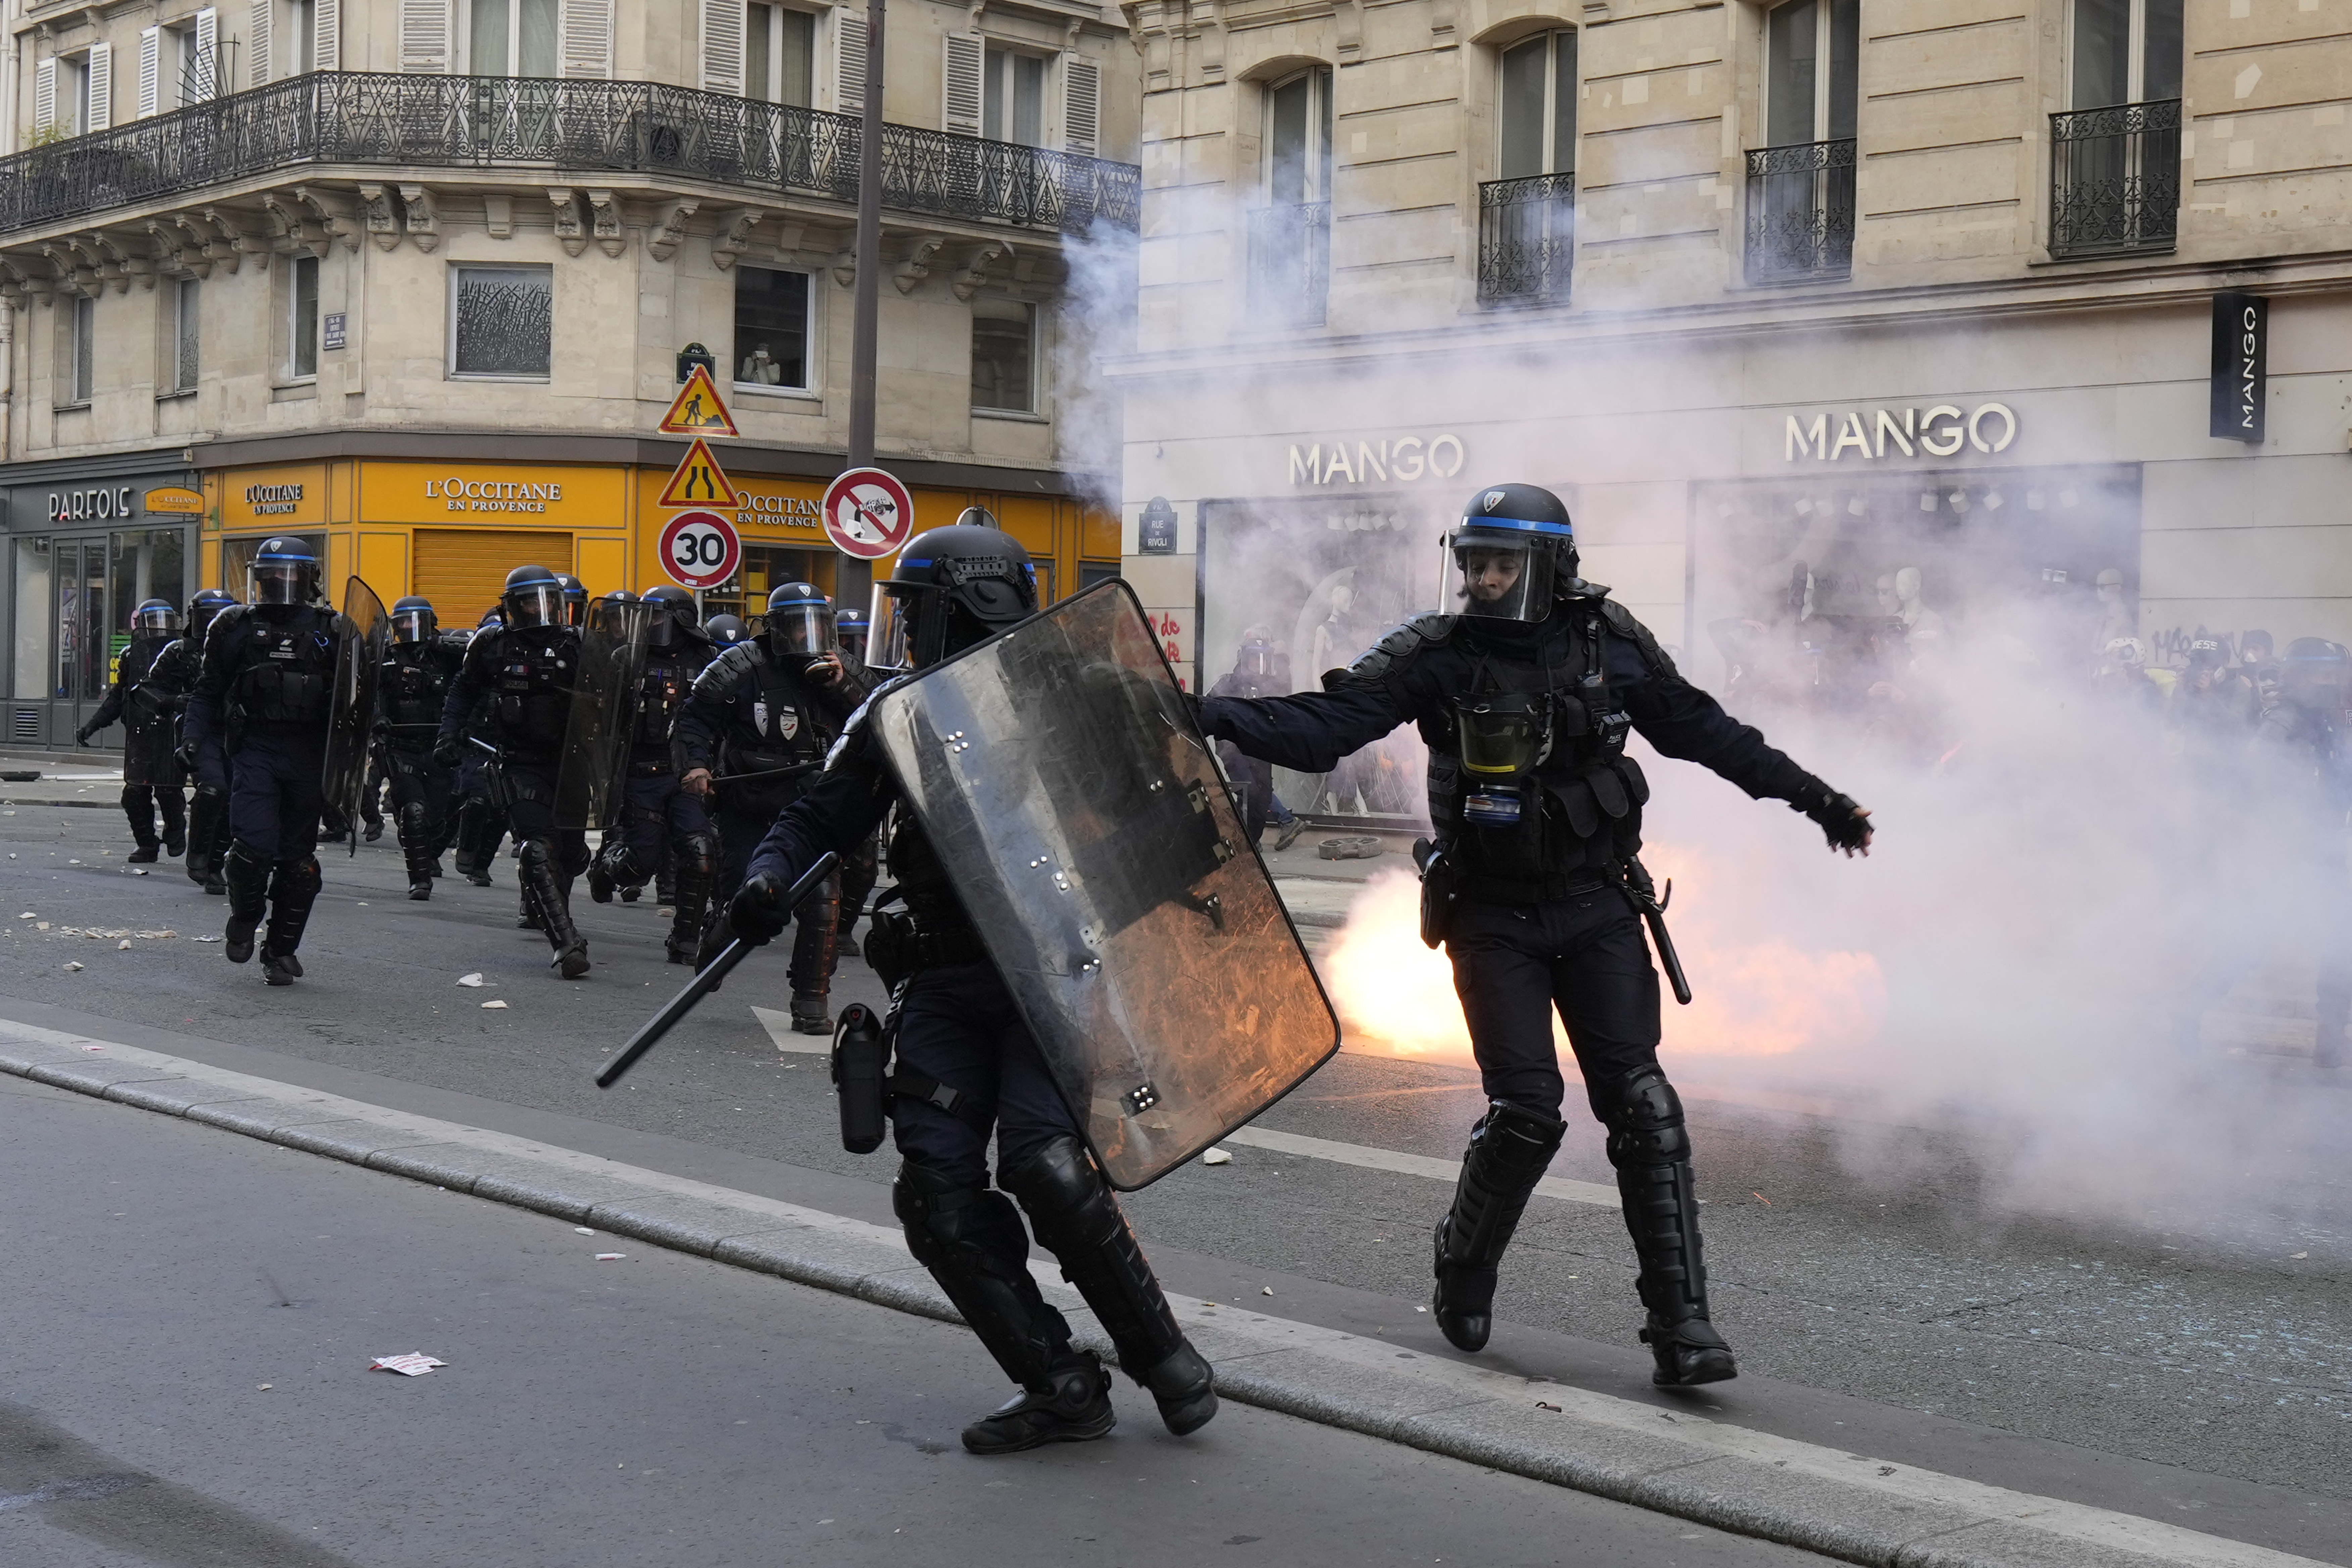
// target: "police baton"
[[1644, 892], [705, 982]]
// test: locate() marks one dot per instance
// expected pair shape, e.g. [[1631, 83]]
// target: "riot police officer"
[[658, 815], [175, 669], [412, 684], [753, 732], [1525, 698], [575, 600], [967, 1064], [726, 631], [524, 674], [480, 825], [266, 691], [849, 633], [150, 768]]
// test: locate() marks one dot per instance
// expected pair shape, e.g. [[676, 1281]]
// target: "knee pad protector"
[[537, 853], [948, 1224], [300, 880], [1645, 1121], [1517, 1138], [698, 852], [1059, 1183]]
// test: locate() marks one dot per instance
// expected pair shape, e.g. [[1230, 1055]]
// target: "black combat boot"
[[971, 1240], [613, 869], [293, 889], [207, 820], [1651, 1150], [174, 806], [139, 806], [1079, 1221], [417, 847], [543, 889], [696, 865], [1509, 1149], [247, 877]]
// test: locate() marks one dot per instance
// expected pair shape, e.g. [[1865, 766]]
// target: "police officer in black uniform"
[[726, 631], [151, 769], [658, 817], [1525, 698], [966, 1063], [480, 824], [412, 685], [524, 671], [175, 669], [264, 693], [753, 731], [575, 600]]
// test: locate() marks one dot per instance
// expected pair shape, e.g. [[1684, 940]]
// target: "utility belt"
[[651, 767], [900, 944], [864, 1080], [1444, 888]]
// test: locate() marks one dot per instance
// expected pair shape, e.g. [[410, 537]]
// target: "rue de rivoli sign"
[[1868, 433]]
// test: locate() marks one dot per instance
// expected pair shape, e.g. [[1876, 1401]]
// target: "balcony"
[[1290, 264], [1800, 212], [1526, 234], [2114, 180], [366, 119]]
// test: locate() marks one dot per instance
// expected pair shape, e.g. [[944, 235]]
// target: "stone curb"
[[1845, 1505]]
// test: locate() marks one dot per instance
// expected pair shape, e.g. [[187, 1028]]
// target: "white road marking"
[[780, 1030], [1446, 1170]]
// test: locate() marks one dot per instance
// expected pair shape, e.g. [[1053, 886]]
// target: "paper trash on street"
[[493, 1003], [410, 1365], [473, 979]]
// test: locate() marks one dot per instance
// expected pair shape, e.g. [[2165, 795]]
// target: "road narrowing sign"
[[868, 513], [697, 410], [700, 481], [700, 549]]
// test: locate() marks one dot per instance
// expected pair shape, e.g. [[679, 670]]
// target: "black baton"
[[706, 981], [1642, 891]]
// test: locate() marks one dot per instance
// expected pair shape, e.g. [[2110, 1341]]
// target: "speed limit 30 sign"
[[700, 549]]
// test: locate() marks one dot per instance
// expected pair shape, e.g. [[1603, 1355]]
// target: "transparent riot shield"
[[588, 782], [364, 631], [1065, 790]]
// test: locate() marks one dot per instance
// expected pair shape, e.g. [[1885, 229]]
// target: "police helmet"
[[798, 622], [1515, 548], [2314, 669], [284, 571], [203, 608], [533, 597], [726, 630], [849, 630], [951, 587], [1255, 662], [575, 599], [413, 620], [156, 618], [673, 611], [495, 616], [976, 517]]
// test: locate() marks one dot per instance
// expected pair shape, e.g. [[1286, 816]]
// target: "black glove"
[[81, 737], [187, 755], [1840, 817], [448, 750], [758, 912]]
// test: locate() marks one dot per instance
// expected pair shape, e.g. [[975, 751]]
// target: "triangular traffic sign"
[[700, 481], [697, 410]]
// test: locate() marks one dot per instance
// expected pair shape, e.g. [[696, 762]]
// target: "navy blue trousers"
[[415, 778], [532, 815], [958, 1024], [1587, 957], [655, 813], [274, 796]]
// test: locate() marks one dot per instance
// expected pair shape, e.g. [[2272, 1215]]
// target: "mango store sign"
[[1365, 461], [1939, 432]]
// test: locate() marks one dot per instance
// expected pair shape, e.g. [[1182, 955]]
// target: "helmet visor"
[[890, 645], [1257, 662], [277, 582], [535, 604], [157, 619], [801, 629], [411, 625], [1505, 577]]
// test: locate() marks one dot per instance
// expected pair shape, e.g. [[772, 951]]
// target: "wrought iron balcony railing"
[[1290, 264], [1526, 234], [565, 128], [2115, 179], [1800, 212]]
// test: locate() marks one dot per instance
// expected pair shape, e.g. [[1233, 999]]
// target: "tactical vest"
[[661, 693], [285, 670], [783, 734], [144, 701], [413, 684], [531, 674]]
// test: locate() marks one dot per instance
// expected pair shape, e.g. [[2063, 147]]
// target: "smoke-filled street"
[[1891, 1288]]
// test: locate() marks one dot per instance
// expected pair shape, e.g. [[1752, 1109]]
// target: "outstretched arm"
[[1310, 731]]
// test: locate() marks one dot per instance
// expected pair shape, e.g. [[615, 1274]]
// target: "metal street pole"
[[864, 311]]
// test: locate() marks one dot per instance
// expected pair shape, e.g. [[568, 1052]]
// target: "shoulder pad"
[[731, 665], [1621, 621], [1399, 647], [853, 730]]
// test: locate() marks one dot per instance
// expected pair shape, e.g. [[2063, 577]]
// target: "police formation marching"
[[762, 769]]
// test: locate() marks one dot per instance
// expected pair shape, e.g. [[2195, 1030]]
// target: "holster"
[[1436, 892], [890, 939], [861, 1062], [494, 777]]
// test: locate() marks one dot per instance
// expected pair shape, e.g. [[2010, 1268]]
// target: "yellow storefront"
[[451, 531]]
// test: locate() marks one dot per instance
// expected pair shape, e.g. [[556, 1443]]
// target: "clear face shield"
[[890, 635], [1505, 577], [575, 609], [1255, 663], [277, 582], [804, 629], [412, 625], [536, 604], [157, 620]]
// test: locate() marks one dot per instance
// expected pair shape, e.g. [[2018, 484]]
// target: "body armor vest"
[[145, 700], [783, 734], [413, 683], [914, 872], [1529, 785], [532, 670], [285, 670], [661, 693]]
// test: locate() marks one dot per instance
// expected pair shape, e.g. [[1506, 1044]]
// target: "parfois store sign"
[[2242, 353]]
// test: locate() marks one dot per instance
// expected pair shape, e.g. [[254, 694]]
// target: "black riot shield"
[[1059, 775], [364, 631], [588, 782]]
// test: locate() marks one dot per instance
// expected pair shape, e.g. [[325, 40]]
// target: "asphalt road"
[[2199, 1353], [191, 1315]]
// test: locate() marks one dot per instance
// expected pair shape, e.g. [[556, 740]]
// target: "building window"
[[2114, 157], [1800, 183], [1527, 218], [73, 94], [1298, 139], [185, 296], [191, 57], [779, 54], [81, 350], [510, 37], [1012, 97], [301, 37], [1811, 48], [1538, 111], [2125, 51], [1003, 354], [502, 321], [1290, 237], [772, 328], [302, 320]]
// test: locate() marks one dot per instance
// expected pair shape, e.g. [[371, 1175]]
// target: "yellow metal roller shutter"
[[461, 570]]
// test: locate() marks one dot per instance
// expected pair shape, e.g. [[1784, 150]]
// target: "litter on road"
[[1216, 1157], [608, 1258], [473, 979], [70, 967], [413, 1364], [494, 1004]]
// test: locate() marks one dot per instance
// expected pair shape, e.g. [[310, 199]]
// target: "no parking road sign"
[[700, 549], [868, 513]]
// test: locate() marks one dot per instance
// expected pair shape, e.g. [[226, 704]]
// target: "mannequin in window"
[[1911, 609], [2116, 617], [759, 370]]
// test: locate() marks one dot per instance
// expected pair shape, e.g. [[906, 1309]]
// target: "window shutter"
[[101, 86], [257, 49], [1081, 105], [424, 37], [45, 94], [150, 70], [967, 56], [587, 32], [849, 60], [206, 71], [327, 34], [722, 45]]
